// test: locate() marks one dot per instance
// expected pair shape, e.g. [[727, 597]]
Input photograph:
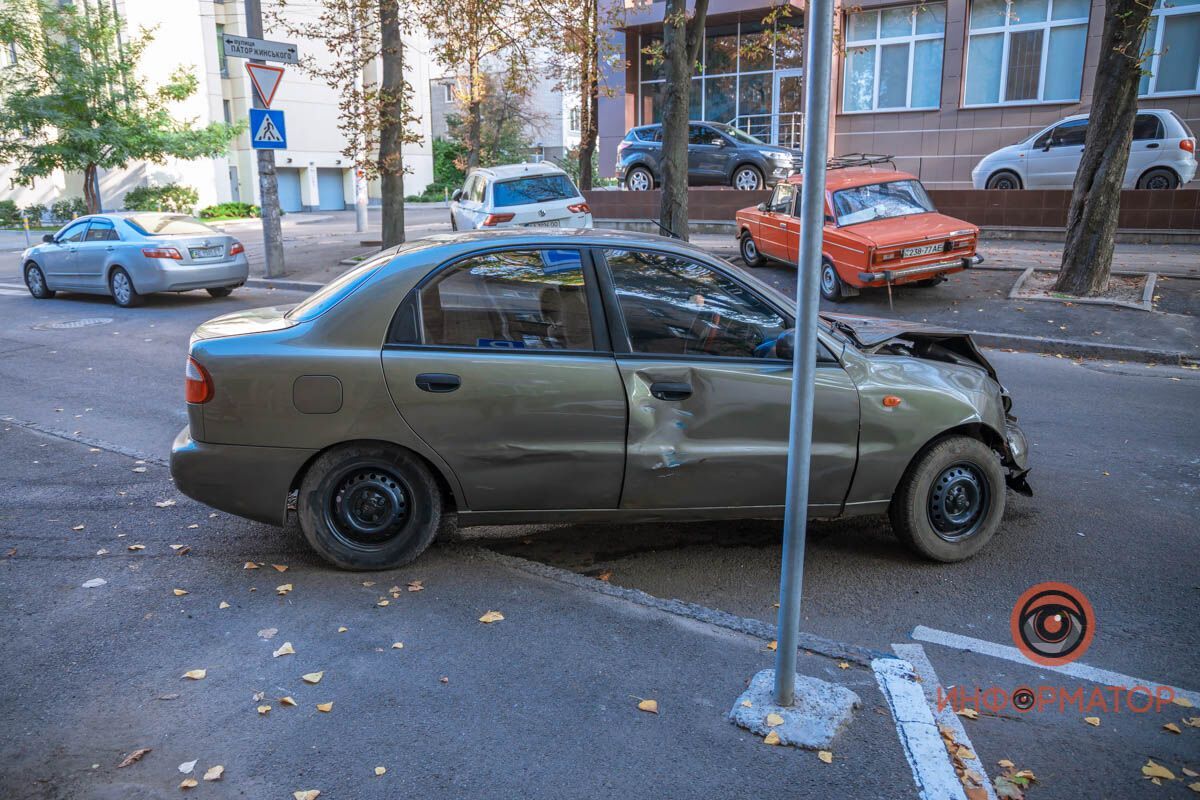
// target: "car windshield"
[[534, 189], [741, 137], [880, 201], [169, 225]]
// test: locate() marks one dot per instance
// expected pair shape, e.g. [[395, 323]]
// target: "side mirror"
[[785, 345], [456, 195], [761, 206], [717, 141], [1049, 144], [48, 238]]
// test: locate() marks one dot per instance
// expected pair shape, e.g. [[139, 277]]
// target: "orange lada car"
[[881, 229]]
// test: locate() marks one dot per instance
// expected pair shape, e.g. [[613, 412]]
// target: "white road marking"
[[923, 747], [1075, 669], [13, 292], [915, 654]]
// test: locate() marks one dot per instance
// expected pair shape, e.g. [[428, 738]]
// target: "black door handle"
[[671, 391], [438, 382], [1152, 145]]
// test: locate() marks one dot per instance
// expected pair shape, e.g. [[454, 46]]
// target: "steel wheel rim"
[[368, 507], [121, 287], [749, 250], [638, 181], [828, 279], [33, 279], [959, 500], [1005, 183], [1158, 182], [746, 180]]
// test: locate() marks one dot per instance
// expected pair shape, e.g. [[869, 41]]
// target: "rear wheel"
[[639, 179], [950, 502], [832, 288], [1004, 180], [747, 179], [35, 281], [370, 506], [749, 251], [120, 286], [220, 291], [1158, 179]]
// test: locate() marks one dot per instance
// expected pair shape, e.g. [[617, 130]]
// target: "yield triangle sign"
[[265, 79]]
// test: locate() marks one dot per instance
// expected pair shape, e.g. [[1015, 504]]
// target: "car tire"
[[120, 286], [832, 288], [369, 506], [950, 501], [749, 251], [453, 223], [1004, 180], [639, 179], [220, 291], [35, 282], [1158, 179], [747, 179]]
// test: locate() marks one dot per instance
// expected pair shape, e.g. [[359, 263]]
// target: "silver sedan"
[[130, 255]]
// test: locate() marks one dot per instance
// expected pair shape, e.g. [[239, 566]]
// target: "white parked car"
[[1162, 155], [515, 195]]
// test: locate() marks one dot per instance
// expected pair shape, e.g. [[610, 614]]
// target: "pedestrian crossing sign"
[[267, 131]]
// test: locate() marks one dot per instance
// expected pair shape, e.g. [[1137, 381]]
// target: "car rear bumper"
[[251, 482], [918, 272], [167, 275]]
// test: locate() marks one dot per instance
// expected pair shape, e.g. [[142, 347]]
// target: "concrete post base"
[[821, 711]]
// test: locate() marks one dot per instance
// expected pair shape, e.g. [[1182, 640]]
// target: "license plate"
[[553, 223], [206, 252], [924, 250]]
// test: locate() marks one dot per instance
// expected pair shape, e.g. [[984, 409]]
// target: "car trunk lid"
[[240, 323]]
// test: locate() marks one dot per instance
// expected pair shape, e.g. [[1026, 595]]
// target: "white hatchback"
[[515, 195], [1162, 155]]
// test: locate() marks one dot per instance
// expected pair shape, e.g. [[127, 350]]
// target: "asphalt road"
[[1116, 456]]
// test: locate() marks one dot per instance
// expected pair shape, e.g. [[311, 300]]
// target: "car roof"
[[857, 176], [518, 170]]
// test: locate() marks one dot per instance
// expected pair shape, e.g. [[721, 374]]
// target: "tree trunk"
[[474, 116], [91, 189], [681, 40], [589, 97], [1096, 198], [391, 124]]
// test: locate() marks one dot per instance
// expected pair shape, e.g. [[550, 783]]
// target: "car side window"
[[477, 189], [698, 134], [74, 233], [1069, 134], [509, 300], [781, 201], [1147, 126], [101, 230], [676, 306]]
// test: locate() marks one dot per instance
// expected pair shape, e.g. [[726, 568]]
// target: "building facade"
[[313, 172], [937, 84]]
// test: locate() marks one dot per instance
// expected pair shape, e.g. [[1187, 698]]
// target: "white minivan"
[[530, 195], [1162, 155]]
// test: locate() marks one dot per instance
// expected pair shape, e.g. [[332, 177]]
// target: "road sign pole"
[[268, 183], [819, 50]]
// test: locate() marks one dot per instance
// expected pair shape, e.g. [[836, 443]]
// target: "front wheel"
[[749, 250], [747, 179], [369, 507], [950, 502], [1004, 180], [832, 288], [35, 281], [120, 286]]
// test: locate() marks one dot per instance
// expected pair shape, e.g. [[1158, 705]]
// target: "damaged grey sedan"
[[533, 376]]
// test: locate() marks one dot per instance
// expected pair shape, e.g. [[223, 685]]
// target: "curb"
[[271, 283], [1072, 347], [1146, 303]]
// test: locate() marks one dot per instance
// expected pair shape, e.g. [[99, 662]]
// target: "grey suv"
[[717, 154]]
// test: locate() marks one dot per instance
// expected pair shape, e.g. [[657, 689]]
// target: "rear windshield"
[[880, 201], [535, 189], [332, 293], [169, 225], [1182, 124]]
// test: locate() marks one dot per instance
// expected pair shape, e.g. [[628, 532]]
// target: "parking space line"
[[1075, 669], [918, 731], [915, 654]]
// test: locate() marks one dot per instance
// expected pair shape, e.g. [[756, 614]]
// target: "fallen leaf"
[[843, 665], [968, 713], [193, 526], [772, 738], [171, 696], [77, 528], [1182, 701], [1006, 789], [380, 770], [415, 586], [444, 679], [382, 603], [1192, 722], [164, 503], [180, 592], [605, 576], [490, 617], [313, 677], [343, 629], [285, 649], [188, 783], [1191, 773], [326, 707], [368, 583], [650, 706], [214, 773], [250, 565], [825, 756], [187, 767], [1093, 721], [283, 588], [1195, 787], [1172, 727], [223, 605], [773, 720], [134, 757], [772, 645], [397, 645], [747, 704], [177, 546], [137, 547], [139, 469], [93, 583], [195, 674], [280, 567], [307, 794], [286, 701], [263, 709], [1004, 762], [259, 696], [1152, 770], [102, 552], [267, 633]]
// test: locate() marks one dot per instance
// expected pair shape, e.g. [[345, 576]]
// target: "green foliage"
[[76, 101], [230, 210], [68, 209], [35, 212], [173, 197], [503, 111], [447, 157], [9, 215]]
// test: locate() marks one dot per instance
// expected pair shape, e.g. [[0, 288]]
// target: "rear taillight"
[[198, 383], [162, 252], [1188, 144], [580, 208], [496, 219], [236, 248]]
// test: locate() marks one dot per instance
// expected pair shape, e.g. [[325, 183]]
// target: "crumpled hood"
[[871, 332], [254, 320]]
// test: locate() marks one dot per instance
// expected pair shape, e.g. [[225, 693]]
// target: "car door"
[[1053, 159], [94, 251], [709, 404], [470, 205], [779, 228], [500, 362], [58, 257], [706, 155], [1146, 149]]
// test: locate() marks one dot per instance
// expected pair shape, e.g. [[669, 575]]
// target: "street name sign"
[[245, 47], [266, 80], [267, 131]]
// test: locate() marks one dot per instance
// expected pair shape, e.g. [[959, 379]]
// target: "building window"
[[1025, 51], [227, 108], [448, 88], [221, 62], [894, 58], [574, 120], [1172, 49], [8, 54]]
